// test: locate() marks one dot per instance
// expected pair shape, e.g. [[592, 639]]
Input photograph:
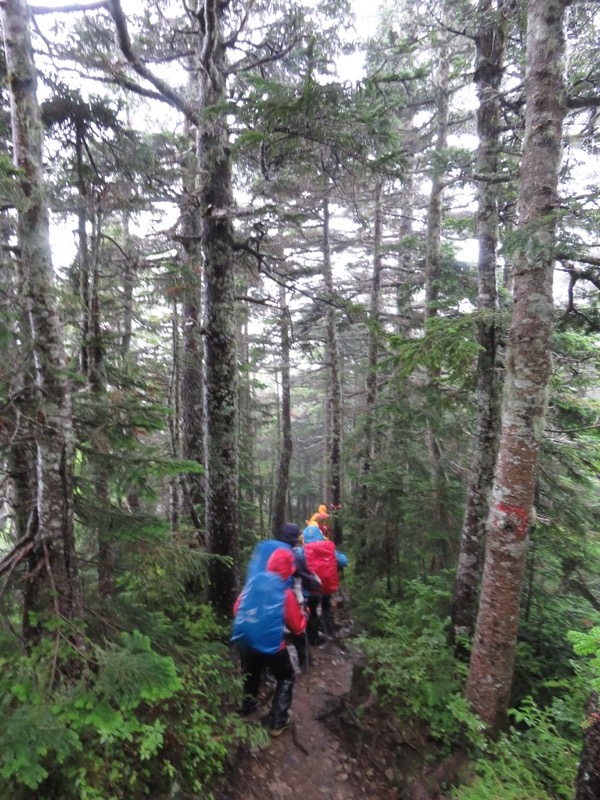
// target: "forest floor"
[[308, 760], [330, 752]]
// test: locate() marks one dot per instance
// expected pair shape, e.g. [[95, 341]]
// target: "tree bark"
[[192, 380], [175, 419], [97, 377], [406, 250], [129, 279], [527, 369], [488, 74], [55, 570], [82, 247], [16, 433], [432, 289], [363, 522], [216, 201], [285, 454], [374, 338], [333, 489]]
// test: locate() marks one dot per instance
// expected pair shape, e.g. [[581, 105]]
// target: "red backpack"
[[320, 559]]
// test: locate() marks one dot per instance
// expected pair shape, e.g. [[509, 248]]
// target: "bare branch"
[[69, 8], [168, 94], [259, 62], [234, 37], [584, 101], [210, 35]]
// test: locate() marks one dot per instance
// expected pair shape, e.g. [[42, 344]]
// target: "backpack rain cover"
[[259, 620]]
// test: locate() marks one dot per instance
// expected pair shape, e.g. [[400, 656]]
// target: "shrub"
[[133, 723]]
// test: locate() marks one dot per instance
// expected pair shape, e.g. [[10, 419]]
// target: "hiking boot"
[[249, 706], [286, 723]]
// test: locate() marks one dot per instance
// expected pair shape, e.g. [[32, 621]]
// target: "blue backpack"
[[259, 620]]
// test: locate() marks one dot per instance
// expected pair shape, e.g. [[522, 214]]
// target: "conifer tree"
[[488, 73], [528, 368], [52, 583]]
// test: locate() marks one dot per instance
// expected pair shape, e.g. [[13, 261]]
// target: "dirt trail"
[[308, 762]]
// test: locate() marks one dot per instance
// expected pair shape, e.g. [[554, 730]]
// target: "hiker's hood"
[[312, 533], [282, 563], [289, 533]]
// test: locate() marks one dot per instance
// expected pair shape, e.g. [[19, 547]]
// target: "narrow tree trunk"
[[285, 452], [374, 338], [247, 429], [192, 379], [82, 248], [55, 568], [97, 378], [488, 74], [174, 420], [406, 250], [18, 437], [222, 507], [528, 368], [129, 278], [333, 496], [432, 290], [368, 446], [16, 434]]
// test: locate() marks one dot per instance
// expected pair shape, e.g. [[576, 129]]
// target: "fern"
[[588, 644]]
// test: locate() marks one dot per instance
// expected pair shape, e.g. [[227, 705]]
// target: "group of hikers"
[[286, 599]]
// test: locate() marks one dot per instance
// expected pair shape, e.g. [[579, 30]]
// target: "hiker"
[[323, 559], [322, 519], [288, 536], [266, 605]]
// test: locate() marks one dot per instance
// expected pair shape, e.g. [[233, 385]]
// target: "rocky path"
[[308, 762]]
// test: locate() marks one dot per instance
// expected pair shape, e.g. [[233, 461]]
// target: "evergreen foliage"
[[132, 721], [136, 697], [416, 677]]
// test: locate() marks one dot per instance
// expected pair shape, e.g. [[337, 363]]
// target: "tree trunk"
[[527, 369], [333, 494], [285, 453], [175, 418], [82, 248], [16, 433], [488, 74], [97, 377], [222, 507], [406, 250], [432, 291], [192, 380], [129, 279], [363, 522], [374, 338], [55, 568]]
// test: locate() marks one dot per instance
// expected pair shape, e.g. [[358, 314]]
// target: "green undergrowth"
[[415, 676], [535, 759], [413, 673], [119, 720]]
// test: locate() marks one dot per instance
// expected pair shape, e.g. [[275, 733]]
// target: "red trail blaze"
[[516, 517]]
